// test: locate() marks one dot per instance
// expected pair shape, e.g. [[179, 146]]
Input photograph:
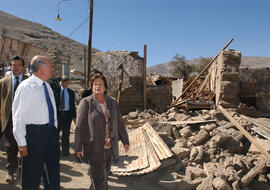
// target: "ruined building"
[[10, 47], [112, 64]]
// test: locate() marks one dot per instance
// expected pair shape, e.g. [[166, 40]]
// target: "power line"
[[78, 26], [58, 4]]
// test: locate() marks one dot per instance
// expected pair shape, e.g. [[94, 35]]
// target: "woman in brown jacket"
[[99, 127]]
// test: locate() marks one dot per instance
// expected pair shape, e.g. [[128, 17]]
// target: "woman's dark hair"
[[98, 76]]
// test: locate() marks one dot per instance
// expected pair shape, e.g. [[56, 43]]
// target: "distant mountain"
[[246, 61], [42, 36]]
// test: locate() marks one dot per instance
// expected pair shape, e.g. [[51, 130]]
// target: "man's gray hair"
[[36, 62]]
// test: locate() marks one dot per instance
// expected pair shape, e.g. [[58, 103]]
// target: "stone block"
[[209, 127], [180, 116], [206, 184], [193, 173], [218, 140], [180, 152], [186, 132], [221, 184], [193, 153], [133, 115], [201, 137]]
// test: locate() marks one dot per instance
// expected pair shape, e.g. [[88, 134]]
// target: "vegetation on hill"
[[246, 62], [179, 67]]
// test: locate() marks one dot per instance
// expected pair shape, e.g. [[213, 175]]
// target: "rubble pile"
[[213, 155], [247, 111]]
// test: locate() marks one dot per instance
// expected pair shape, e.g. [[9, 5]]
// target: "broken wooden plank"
[[187, 122], [244, 132]]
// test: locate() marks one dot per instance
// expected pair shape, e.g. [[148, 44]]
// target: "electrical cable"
[[71, 33]]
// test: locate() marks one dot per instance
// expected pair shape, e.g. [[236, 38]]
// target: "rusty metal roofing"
[[146, 151]]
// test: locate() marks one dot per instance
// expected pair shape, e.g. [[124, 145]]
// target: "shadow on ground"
[[8, 187], [69, 170]]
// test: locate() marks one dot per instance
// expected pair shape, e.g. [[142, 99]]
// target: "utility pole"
[[90, 42], [84, 66], [144, 77]]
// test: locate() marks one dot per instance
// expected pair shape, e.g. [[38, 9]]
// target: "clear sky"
[[192, 28]]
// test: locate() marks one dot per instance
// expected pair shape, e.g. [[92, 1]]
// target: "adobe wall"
[[131, 99], [261, 78], [132, 90], [224, 78]]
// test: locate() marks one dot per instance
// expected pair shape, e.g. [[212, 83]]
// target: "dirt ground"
[[74, 175]]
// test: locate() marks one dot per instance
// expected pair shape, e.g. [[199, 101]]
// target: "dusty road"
[[74, 175]]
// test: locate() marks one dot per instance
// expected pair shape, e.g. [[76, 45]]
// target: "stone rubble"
[[206, 156]]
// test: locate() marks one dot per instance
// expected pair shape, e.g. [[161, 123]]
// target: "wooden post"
[[121, 83], [85, 71], [245, 133], [90, 42], [144, 78]]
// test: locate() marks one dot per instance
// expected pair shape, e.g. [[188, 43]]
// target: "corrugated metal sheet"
[[260, 127], [146, 151], [133, 159], [160, 147]]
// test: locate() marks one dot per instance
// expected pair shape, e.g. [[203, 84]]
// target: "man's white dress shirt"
[[30, 107]]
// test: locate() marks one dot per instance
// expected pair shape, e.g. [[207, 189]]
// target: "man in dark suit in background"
[[66, 112], [8, 86]]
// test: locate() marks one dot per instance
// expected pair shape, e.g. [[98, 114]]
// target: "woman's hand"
[[126, 147], [78, 155]]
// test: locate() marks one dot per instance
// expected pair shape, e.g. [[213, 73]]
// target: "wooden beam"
[[121, 83], [85, 71], [186, 122], [90, 41], [245, 133]]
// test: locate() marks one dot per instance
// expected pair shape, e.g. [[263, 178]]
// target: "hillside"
[[42, 36], [246, 61]]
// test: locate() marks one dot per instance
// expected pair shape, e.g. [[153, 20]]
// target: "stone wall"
[[261, 78]]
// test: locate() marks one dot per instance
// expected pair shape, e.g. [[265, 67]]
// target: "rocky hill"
[[42, 36], [246, 61]]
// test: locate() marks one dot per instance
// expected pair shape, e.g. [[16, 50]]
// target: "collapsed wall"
[[111, 64], [11, 47], [131, 98]]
